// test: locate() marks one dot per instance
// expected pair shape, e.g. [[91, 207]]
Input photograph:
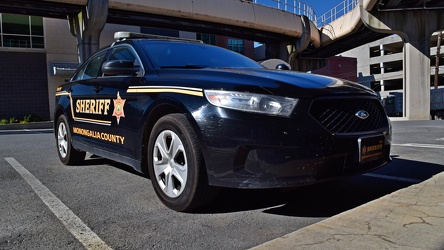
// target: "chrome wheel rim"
[[62, 139], [170, 163]]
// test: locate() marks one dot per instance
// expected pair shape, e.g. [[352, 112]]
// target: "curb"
[[32, 125]]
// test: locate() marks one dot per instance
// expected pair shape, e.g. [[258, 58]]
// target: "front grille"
[[338, 115]]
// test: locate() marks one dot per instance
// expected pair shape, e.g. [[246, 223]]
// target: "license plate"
[[370, 148]]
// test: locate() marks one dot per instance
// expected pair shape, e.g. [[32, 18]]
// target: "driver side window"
[[127, 54], [91, 68]]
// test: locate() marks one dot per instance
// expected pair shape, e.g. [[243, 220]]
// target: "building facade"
[[380, 63]]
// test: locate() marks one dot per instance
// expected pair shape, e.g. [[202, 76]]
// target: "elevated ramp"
[[233, 13]]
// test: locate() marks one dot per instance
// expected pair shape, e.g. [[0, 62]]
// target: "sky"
[[319, 6], [322, 6]]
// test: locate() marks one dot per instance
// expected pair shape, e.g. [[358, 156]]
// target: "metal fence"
[[293, 6], [335, 13], [302, 8]]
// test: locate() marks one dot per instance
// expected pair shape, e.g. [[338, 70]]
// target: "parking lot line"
[[73, 223]]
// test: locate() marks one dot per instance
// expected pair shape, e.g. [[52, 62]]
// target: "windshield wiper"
[[188, 66]]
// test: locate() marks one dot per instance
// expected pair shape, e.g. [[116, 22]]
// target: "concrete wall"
[[60, 47], [392, 47]]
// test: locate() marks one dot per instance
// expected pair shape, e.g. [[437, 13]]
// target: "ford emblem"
[[362, 114]]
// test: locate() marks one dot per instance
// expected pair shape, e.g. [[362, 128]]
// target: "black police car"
[[197, 117]]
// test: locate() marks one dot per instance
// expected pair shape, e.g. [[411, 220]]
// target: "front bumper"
[[244, 150]]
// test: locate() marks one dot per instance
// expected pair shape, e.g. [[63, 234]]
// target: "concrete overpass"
[[413, 20], [241, 19], [236, 18]]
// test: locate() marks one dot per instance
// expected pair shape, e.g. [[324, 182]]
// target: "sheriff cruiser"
[[197, 117]]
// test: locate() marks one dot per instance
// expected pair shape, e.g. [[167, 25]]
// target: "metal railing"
[[335, 13], [293, 6], [301, 8]]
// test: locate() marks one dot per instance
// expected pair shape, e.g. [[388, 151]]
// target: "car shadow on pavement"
[[323, 199], [92, 159], [327, 198]]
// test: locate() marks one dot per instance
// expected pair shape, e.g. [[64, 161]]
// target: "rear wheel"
[[439, 116], [67, 154], [176, 165]]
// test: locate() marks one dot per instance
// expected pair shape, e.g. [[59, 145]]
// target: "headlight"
[[251, 102]]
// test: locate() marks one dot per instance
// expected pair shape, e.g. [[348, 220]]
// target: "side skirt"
[[137, 165]]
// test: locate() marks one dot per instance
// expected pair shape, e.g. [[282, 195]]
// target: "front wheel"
[[176, 166], [67, 154]]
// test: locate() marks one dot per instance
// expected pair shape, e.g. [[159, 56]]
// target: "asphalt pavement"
[[410, 218]]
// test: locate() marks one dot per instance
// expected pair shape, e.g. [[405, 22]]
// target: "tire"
[[176, 165], [439, 116], [67, 154]]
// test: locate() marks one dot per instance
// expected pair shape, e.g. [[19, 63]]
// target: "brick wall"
[[222, 41], [23, 85], [340, 67]]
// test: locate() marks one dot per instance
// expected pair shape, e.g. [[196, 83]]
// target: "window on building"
[[206, 38], [236, 45], [21, 31]]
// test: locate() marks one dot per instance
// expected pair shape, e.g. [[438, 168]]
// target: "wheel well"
[[57, 114], [154, 116]]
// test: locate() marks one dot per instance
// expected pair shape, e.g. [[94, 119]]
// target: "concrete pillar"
[[289, 51], [415, 27], [277, 51], [87, 26]]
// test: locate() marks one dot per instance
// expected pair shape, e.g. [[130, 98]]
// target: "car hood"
[[277, 82]]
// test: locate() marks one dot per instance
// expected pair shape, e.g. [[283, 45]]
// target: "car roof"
[[124, 35]]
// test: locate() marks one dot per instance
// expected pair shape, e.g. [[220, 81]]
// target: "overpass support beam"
[[290, 51], [87, 26], [276, 50], [415, 27], [300, 45]]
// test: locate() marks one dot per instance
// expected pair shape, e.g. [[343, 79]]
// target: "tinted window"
[[177, 54], [91, 68], [122, 53], [126, 53]]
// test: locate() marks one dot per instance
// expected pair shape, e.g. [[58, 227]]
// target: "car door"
[[82, 96], [121, 136]]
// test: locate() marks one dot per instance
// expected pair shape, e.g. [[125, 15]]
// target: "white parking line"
[[393, 178], [418, 145], [73, 223]]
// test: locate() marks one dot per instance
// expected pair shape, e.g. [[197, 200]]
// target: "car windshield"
[[171, 54]]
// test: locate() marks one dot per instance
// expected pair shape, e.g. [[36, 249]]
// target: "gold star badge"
[[118, 108]]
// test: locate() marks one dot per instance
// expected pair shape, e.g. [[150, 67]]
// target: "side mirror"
[[119, 67], [282, 67]]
